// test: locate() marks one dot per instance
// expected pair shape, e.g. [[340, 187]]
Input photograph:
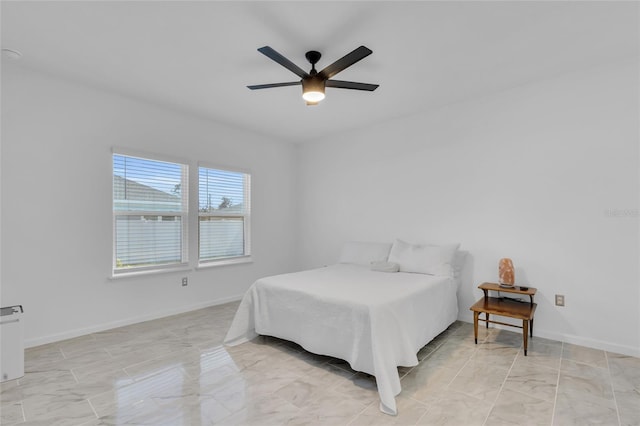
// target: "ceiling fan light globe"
[[313, 96]]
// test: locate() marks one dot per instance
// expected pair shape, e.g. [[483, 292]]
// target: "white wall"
[[543, 174], [537, 173], [56, 205]]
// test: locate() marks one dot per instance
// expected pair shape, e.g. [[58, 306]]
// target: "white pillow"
[[362, 253], [424, 258], [383, 266]]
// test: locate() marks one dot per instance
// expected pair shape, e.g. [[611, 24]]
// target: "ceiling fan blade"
[[346, 61], [351, 85], [273, 55], [270, 85]]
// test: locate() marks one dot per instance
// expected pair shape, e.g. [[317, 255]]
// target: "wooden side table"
[[506, 308]]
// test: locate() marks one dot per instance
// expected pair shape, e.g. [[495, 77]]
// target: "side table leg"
[[487, 319], [475, 326], [531, 328], [525, 334]]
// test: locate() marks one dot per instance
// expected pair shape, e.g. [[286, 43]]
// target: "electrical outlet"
[[185, 281], [559, 300]]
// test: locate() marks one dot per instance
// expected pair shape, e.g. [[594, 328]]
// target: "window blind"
[[150, 207], [223, 214]]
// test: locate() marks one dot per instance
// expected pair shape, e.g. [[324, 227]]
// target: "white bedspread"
[[376, 321]]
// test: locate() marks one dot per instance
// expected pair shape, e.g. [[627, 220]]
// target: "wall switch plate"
[[559, 300], [185, 281]]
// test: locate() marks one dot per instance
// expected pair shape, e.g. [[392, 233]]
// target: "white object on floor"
[[11, 344]]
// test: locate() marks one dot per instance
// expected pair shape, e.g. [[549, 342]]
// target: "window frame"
[[183, 264], [246, 257]]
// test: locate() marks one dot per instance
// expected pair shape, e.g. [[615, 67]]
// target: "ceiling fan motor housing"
[[313, 84]]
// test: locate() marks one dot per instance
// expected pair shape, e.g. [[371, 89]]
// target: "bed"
[[373, 318]]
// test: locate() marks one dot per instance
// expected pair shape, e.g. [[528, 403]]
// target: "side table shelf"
[[505, 307]]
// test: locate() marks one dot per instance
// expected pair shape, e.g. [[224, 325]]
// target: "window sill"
[[225, 262], [132, 274]]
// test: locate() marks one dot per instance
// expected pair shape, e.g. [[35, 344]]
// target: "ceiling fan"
[[314, 82]]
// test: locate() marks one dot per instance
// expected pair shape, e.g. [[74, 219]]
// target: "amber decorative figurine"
[[506, 272]]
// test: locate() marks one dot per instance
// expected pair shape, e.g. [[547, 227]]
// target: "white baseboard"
[[568, 338], [596, 344], [29, 343]]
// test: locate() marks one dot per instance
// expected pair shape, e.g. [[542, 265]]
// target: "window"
[[150, 208], [223, 215]]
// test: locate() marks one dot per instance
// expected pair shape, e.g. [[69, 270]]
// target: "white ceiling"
[[199, 56]]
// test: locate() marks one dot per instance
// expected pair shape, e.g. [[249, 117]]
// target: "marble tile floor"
[[175, 371]]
